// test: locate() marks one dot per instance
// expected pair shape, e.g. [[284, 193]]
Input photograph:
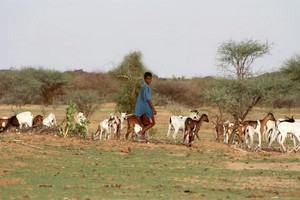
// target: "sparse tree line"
[[234, 94]]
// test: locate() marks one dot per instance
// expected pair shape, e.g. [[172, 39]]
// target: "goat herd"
[[267, 129]]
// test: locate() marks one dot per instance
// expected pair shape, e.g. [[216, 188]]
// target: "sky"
[[177, 38]]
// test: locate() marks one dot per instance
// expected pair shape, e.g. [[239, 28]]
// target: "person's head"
[[148, 77]]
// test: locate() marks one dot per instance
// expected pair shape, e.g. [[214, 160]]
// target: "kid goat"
[[134, 125], [193, 126]]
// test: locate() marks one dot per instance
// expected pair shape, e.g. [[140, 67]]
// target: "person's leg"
[[148, 123]]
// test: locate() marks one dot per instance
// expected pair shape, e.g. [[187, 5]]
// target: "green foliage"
[[52, 83], [236, 58], [100, 84], [237, 97], [292, 68], [85, 100], [19, 89], [69, 127], [181, 91], [31, 86], [130, 73]]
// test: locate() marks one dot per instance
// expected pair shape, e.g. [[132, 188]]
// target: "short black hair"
[[147, 74]]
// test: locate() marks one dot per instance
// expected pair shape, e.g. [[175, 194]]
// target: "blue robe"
[[142, 106]]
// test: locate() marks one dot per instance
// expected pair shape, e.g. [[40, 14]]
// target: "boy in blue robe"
[[144, 108]]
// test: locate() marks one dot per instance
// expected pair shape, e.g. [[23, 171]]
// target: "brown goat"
[[3, 122], [131, 122], [37, 120], [219, 131], [193, 126]]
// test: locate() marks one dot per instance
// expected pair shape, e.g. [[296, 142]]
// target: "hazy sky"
[[176, 37]]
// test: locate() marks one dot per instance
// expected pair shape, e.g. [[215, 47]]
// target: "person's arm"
[[151, 106]]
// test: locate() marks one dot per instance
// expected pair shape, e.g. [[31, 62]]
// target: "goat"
[[283, 128], [275, 135], [19, 121], [116, 125], [104, 127], [223, 131], [82, 121], [112, 123], [178, 123], [271, 127], [123, 117], [80, 118], [37, 120], [134, 124], [50, 120], [193, 127], [258, 128], [236, 133], [3, 122], [219, 132]]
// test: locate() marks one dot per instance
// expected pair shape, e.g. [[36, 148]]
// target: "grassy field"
[[44, 166]]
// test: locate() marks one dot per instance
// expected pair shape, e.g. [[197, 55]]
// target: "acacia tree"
[[237, 57], [130, 74], [51, 83], [237, 96]]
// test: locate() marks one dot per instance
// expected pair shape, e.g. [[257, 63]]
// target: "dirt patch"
[[274, 196], [263, 166], [203, 145], [6, 182], [264, 183]]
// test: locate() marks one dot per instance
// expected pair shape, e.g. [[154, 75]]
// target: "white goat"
[[123, 117], [271, 127], [250, 131], [82, 121], [178, 123], [283, 128], [50, 120], [105, 127], [80, 118], [25, 119], [21, 120]]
